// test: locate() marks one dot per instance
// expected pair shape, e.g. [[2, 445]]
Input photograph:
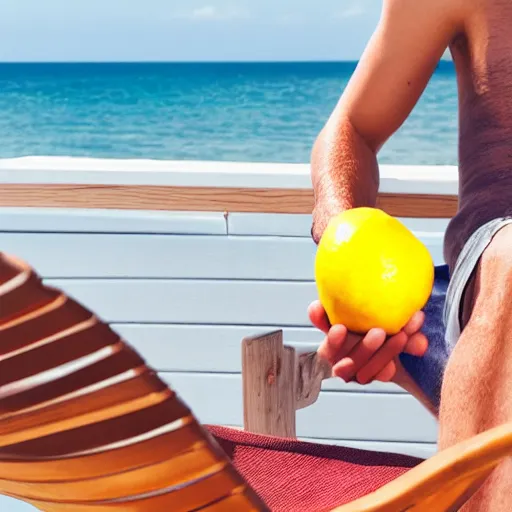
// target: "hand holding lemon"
[[373, 277]]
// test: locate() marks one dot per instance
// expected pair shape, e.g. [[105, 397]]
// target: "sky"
[[185, 30]]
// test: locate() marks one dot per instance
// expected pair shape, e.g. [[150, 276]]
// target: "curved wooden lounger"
[[86, 425]]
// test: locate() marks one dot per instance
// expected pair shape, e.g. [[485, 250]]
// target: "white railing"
[[184, 287], [410, 179]]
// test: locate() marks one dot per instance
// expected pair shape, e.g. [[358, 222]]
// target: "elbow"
[[318, 157], [319, 171], [318, 144]]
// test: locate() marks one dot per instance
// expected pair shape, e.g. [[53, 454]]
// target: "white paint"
[[162, 256], [270, 224], [194, 301], [286, 225], [71, 255], [71, 170], [73, 220]]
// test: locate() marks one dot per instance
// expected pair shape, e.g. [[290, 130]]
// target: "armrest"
[[445, 481]]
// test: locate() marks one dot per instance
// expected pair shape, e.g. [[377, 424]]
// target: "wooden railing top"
[[406, 191]]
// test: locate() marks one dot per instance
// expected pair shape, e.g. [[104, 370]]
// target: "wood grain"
[[445, 481], [268, 378], [212, 199], [312, 370]]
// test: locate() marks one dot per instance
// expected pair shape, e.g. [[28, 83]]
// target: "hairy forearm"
[[344, 173]]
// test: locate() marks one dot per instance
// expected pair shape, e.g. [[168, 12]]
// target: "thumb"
[[318, 316]]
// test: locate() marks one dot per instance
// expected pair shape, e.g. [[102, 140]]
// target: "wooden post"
[[268, 374], [311, 371]]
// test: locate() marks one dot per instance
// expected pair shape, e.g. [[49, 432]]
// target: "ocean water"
[[249, 112]]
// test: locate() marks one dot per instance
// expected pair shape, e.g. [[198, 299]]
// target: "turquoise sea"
[[251, 112]]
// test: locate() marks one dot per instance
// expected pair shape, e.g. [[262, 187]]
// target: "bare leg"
[[476, 393]]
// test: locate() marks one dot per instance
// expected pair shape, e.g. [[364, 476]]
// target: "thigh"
[[489, 299], [481, 248]]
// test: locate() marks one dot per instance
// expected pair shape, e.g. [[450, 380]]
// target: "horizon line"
[[291, 61], [124, 61]]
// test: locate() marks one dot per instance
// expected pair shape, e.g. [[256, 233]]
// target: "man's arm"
[[390, 78]]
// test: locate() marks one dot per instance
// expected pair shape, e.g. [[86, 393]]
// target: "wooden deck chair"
[[87, 426]]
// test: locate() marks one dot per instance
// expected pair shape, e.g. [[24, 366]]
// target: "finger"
[[348, 367], [351, 342], [318, 316], [391, 349], [387, 374], [332, 346], [417, 345], [415, 323]]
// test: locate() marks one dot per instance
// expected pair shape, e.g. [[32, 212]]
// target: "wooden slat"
[[192, 497], [85, 220], [214, 199], [352, 416], [146, 452], [194, 301], [65, 255], [418, 205], [195, 463], [209, 348], [299, 225], [83, 255]]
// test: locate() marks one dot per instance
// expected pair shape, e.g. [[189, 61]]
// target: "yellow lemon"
[[371, 271]]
